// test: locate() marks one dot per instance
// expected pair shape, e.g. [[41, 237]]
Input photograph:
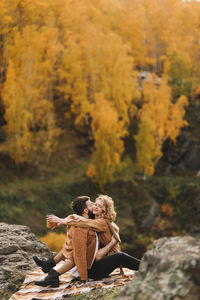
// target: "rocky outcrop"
[[170, 271], [18, 245]]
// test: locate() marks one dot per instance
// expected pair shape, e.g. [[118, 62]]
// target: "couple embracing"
[[91, 250]]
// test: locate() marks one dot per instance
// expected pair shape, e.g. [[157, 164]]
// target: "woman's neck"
[[98, 216]]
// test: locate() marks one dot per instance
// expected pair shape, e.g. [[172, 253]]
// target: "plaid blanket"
[[68, 286]]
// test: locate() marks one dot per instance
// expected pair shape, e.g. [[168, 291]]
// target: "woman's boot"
[[46, 265], [51, 280]]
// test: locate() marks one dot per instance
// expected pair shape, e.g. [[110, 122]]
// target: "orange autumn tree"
[[96, 62], [108, 133], [148, 153], [143, 24], [27, 94], [159, 119], [149, 27], [131, 28]]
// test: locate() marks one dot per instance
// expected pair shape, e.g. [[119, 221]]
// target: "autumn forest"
[[101, 66]]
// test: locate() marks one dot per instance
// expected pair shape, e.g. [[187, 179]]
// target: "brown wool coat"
[[84, 244], [80, 248], [67, 249], [101, 227]]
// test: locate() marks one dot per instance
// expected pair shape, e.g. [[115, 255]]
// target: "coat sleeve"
[[115, 231], [99, 225], [79, 243]]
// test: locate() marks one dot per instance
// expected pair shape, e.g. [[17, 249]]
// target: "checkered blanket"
[[68, 286]]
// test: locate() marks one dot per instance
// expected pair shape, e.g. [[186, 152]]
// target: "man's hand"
[[54, 219], [60, 221]]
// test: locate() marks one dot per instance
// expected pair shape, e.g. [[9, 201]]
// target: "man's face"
[[89, 205]]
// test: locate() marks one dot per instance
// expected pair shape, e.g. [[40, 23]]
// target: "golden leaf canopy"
[[83, 62]]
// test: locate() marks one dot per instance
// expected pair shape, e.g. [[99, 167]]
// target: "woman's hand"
[[113, 240], [115, 231]]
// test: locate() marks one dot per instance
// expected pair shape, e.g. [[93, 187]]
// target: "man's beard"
[[91, 215]]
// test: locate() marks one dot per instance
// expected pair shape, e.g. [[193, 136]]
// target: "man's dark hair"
[[79, 204]]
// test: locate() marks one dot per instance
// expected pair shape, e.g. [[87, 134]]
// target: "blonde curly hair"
[[109, 212]]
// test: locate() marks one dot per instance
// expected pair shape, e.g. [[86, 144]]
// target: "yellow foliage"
[[160, 119], [54, 240], [27, 97], [85, 56], [91, 172], [106, 68], [108, 132], [176, 121], [157, 103], [148, 153]]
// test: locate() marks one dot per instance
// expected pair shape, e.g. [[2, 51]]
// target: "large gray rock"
[[170, 271], [18, 245]]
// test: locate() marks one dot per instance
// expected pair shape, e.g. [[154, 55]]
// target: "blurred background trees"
[[97, 66]]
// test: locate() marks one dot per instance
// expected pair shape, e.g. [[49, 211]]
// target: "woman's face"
[[98, 207]]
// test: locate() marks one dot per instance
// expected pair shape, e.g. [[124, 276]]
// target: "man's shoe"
[[51, 280], [46, 265]]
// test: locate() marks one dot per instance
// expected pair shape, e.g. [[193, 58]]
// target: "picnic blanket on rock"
[[68, 286]]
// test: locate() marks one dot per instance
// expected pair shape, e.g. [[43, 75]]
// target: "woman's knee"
[[126, 260], [120, 256]]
